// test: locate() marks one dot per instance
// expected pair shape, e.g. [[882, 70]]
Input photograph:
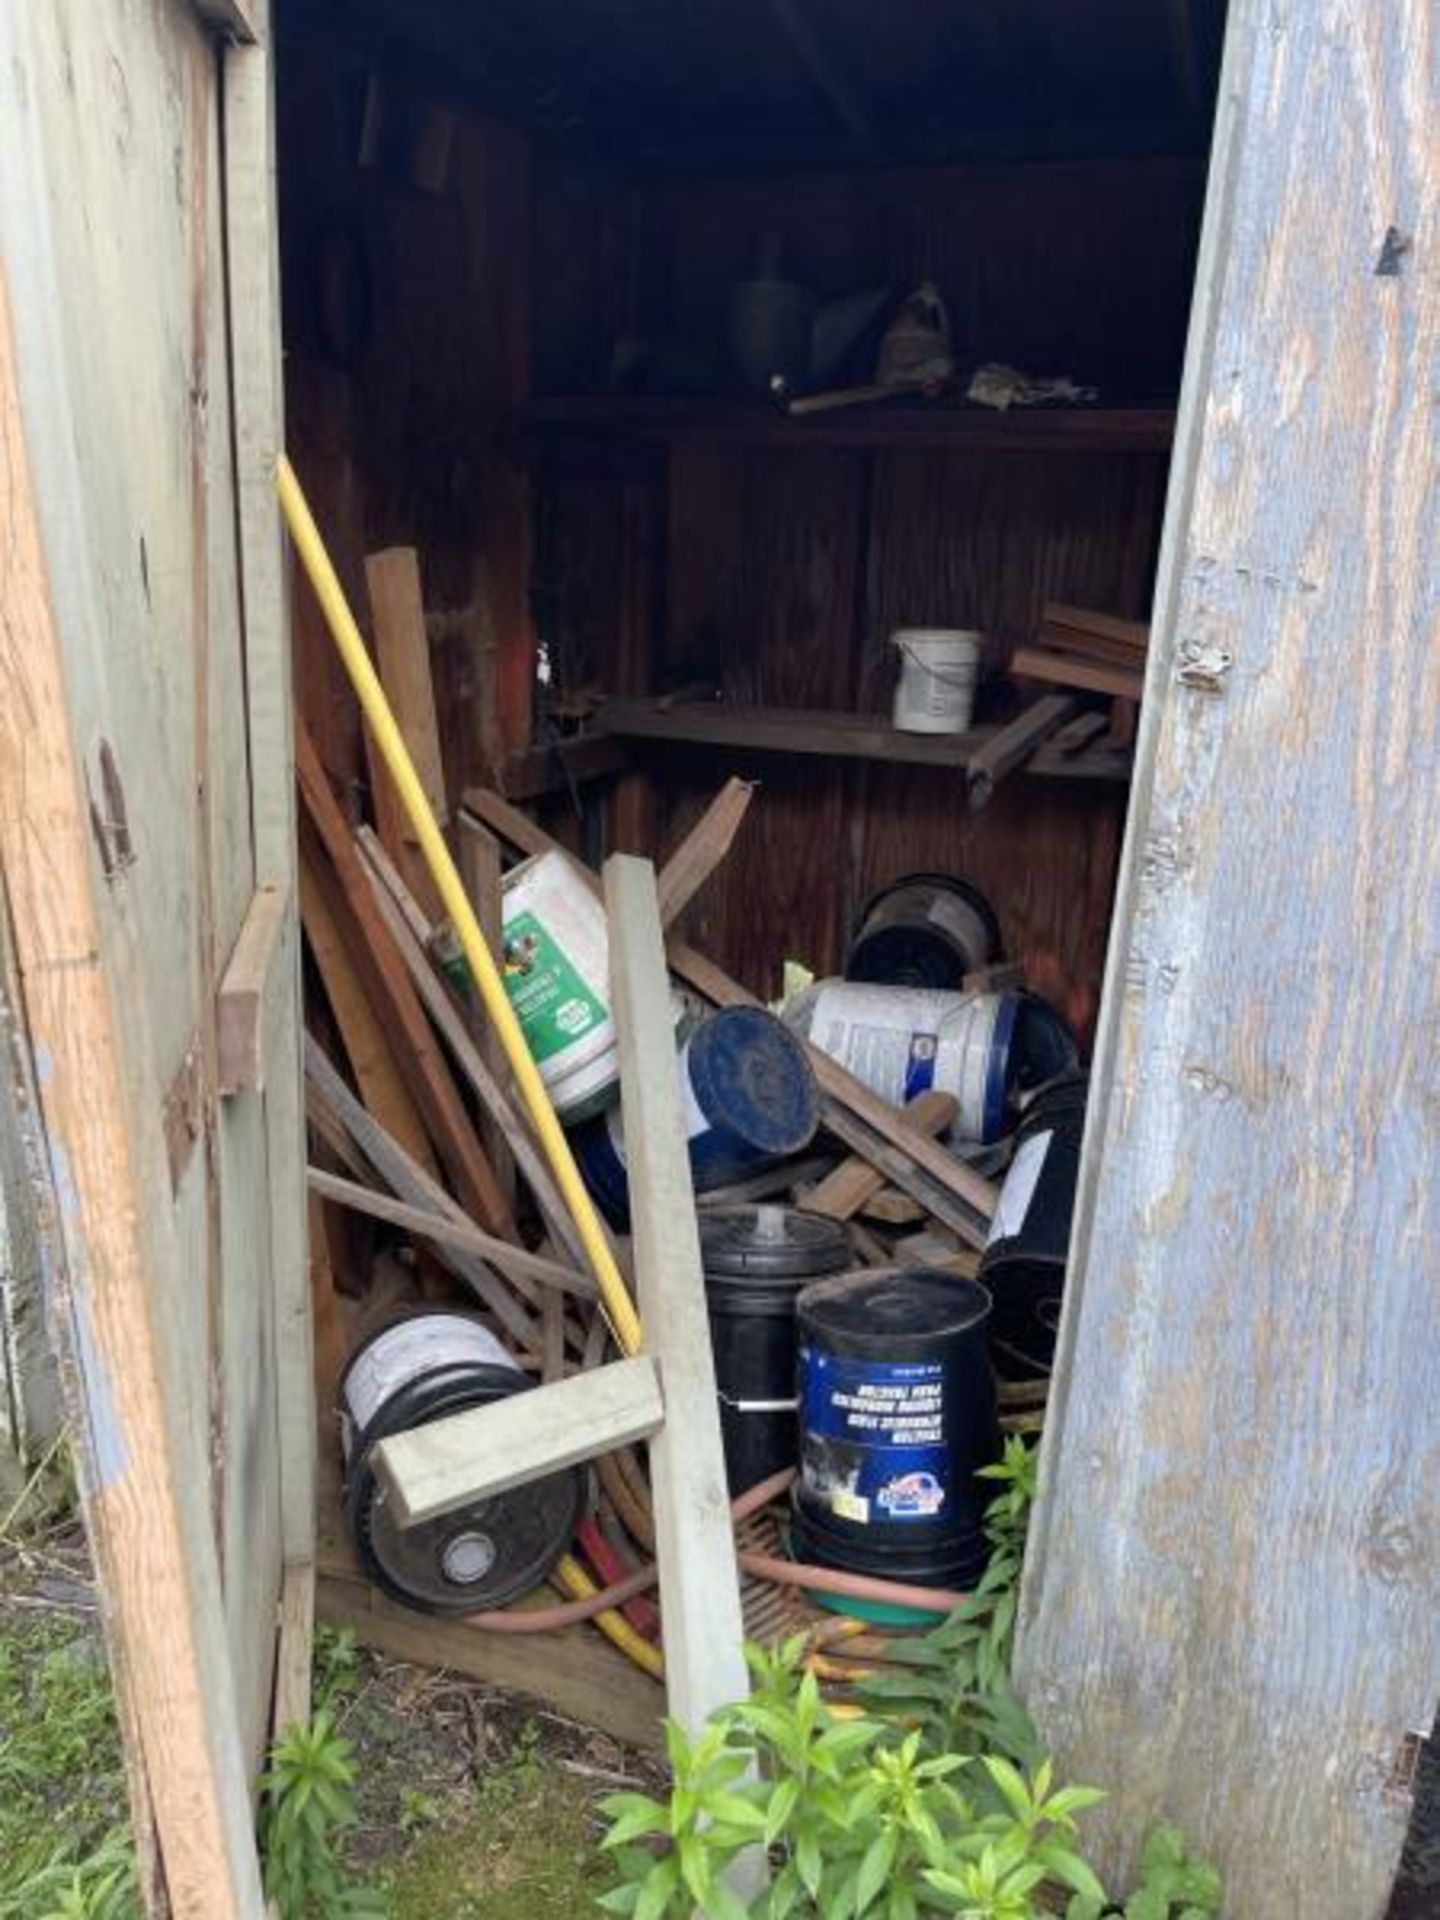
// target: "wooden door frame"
[[191, 1784], [1228, 1613]]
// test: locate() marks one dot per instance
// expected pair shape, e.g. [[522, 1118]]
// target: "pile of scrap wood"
[[1092, 652], [434, 1189]]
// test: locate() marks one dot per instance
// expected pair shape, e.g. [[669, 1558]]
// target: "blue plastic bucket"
[[748, 1097]]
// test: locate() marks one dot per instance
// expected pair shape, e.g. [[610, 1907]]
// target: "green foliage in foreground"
[[944, 1806]]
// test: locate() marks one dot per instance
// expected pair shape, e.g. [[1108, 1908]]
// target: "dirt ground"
[[472, 1803]]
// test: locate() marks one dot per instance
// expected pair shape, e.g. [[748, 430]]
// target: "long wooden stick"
[[619, 1307], [389, 888], [461, 1235]]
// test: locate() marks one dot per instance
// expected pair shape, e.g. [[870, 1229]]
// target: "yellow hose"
[[615, 1298], [615, 1627]]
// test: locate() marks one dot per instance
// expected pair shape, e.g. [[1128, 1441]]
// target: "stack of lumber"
[[430, 1184], [1087, 652]]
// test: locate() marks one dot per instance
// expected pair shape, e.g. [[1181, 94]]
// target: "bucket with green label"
[[557, 976]]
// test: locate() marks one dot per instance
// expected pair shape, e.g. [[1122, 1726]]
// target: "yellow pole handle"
[[614, 1295]]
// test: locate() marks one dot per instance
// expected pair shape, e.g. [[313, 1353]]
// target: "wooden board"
[[1229, 1611], [241, 1002], [695, 1544], [367, 1045], [103, 893], [575, 1672], [385, 977], [445, 1464]]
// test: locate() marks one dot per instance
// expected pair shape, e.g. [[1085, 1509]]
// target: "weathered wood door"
[[145, 836], [1230, 1615]]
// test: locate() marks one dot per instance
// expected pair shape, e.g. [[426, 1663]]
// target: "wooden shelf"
[[842, 736], [917, 424]]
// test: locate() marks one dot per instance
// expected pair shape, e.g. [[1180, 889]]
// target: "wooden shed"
[[472, 265]]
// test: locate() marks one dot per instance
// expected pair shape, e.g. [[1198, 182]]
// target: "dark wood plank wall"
[[407, 336], [785, 573], [777, 576]]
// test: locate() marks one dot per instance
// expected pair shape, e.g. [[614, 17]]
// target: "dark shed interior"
[[510, 236]]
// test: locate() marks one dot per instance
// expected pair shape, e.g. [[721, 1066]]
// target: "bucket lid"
[[888, 1303], [752, 1075], [771, 1243]]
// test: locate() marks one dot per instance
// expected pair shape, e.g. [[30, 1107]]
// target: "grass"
[[470, 1803], [64, 1843]]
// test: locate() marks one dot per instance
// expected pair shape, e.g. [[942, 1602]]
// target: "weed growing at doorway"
[[946, 1805], [65, 1848]]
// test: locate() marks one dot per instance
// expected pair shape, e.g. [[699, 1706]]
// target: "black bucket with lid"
[[923, 930], [483, 1555], [897, 1416], [1029, 1243], [756, 1260]]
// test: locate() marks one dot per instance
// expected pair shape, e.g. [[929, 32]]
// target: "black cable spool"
[[756, 1261], [484, 1555]]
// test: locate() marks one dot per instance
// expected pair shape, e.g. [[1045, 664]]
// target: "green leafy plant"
[[335, 1669], [1174, 1884], [310, 1803], [945, 1805], [855, 1824], [954, 1682]]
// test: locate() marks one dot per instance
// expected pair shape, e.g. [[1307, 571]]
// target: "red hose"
[[852, 1586], [574, 1612], [640, 1612]]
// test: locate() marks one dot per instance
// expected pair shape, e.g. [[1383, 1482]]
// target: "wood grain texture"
[[295, 1646], [367, 1045], [152, 1534], [247, 80], [433, 1469], [240, 1003], [414, 1185], [1229, 1612], [688, 866], [402, 442], [575, 1672], [493, 1093], [443, 1231], [695, 1545], [386, 979]]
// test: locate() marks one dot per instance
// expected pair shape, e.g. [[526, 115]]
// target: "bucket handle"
[[938, 673], [757, 1406]]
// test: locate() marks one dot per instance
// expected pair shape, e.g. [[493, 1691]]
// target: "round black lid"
[[771, 1242], [888, 1303]]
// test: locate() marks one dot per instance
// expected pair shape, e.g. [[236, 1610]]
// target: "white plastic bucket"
[[938, 669], [557, 974], [902, 1041]]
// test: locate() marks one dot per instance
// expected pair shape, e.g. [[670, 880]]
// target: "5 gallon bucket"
[[557, 974], [936, 689], [1024, 1259], [923, 930], [480, 1556], [756, 1261], [897, 1416], [984, 1048], [747, 1094]]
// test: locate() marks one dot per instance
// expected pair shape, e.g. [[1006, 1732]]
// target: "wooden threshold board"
[[916, 424], [839, 736]]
